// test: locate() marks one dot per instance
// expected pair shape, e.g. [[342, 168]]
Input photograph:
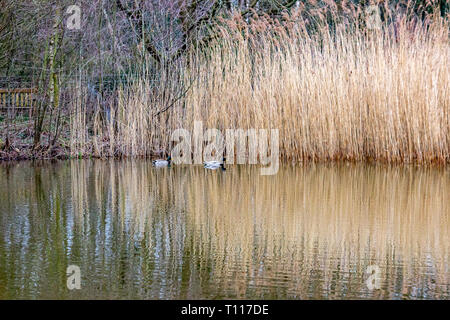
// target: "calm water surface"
[[309, 232]]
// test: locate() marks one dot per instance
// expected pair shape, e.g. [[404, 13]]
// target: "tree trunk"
[[52, 92]]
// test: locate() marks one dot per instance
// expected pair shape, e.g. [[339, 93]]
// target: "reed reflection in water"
[[182, 232]]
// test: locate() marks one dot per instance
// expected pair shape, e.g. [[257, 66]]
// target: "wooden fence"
[[17, 100]]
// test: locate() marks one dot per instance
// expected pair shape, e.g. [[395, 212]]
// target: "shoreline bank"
[[27, 153]]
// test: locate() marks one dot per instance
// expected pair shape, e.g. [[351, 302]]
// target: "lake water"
[[309, 232]]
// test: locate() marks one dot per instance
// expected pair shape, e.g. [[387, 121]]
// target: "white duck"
[[162, 163], [213, 165]]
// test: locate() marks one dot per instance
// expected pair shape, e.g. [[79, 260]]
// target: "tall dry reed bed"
[[334, 92]]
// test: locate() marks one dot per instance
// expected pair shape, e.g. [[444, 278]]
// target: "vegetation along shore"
[[340, 80]]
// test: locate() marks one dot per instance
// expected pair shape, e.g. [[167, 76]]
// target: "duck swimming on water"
[[213, 165], [162, 163]]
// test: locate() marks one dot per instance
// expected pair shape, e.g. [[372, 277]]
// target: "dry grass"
[[347, 94]]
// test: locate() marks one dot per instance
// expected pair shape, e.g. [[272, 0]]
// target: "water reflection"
[[144, 233]]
